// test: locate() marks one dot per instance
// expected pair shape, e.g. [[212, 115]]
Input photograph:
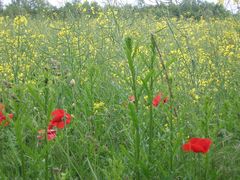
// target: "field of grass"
[[105, 72]]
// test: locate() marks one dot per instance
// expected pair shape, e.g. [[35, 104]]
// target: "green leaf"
[[35, 94], [133, 113]]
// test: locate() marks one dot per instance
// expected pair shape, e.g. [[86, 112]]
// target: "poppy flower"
[[156, 100], [60, 118], [131, 98], [3, 118], [51, 134], [197, 145]]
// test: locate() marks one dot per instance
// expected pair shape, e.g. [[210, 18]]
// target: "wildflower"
[[194, 95], [145, 98], [197, 145], [3, 118], [156, 100], [98, 105], [20, 20], [63, 32], [60, 118], [51, 134], [10, 116], [131, 99]]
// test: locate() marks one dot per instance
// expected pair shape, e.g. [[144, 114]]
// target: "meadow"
[[117, 96]]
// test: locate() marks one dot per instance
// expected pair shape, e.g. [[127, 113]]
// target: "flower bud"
[[72, 82]]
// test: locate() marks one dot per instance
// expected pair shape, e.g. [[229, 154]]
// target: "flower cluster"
[[59, 119], [20, 20], [155, 102], [98, 105]]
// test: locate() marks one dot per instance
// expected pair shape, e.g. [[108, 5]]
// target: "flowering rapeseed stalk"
[[20, 20]]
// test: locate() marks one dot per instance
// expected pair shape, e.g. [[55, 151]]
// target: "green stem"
[[166, 74], [46, 131], [18, 128], [134, 110], [206, 167], [171, 97], [171, 143], [137, 133], [150, 94]]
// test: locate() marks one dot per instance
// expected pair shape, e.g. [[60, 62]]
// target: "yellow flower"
[[194, 95], [20, 20], [145, 98], [98, 105]]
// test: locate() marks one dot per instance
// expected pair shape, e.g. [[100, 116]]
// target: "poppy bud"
[[156, 99], [131, 98]]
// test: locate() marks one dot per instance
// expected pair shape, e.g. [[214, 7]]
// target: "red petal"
[[2, 117], [200, 144], [206, 143], [197, 148], [61, 125], [156, 100], [57, 118], [60, 117], [58, 114], [194, 140], [51, 134], [50, 126], [186, 147], [10, 116], [68, 120], [53, 123]]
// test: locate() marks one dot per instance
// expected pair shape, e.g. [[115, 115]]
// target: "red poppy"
[[51, 134], [60, 118], [197, 145], [131, 98], [10, 116], [156, 100], [3, 118]]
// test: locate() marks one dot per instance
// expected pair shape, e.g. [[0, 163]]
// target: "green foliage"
[[187, 8], [31, 7]]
